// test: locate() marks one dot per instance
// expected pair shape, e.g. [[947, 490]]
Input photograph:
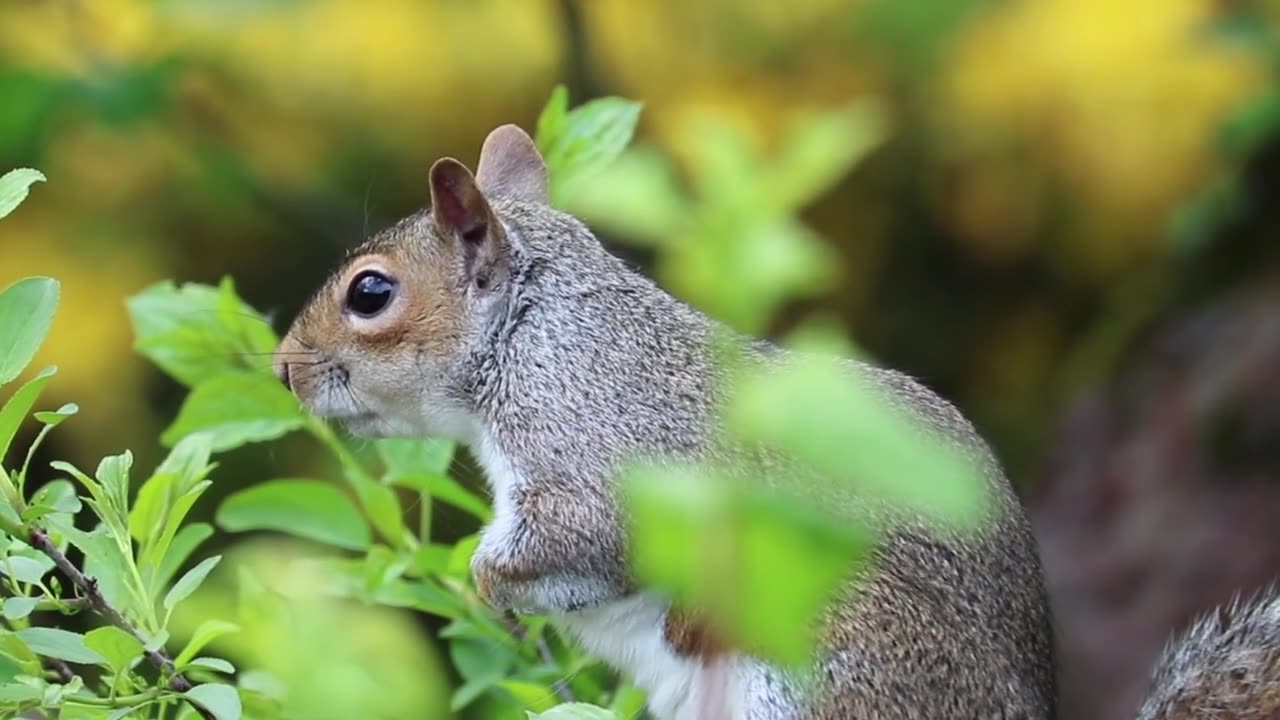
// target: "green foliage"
[[344, 559], [731, 244]]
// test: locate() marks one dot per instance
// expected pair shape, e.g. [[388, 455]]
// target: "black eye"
[[370, 293]]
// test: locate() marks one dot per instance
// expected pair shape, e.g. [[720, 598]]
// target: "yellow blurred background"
[[1061, 180]]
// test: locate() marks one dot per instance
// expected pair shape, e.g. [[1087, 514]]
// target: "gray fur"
[[1225, 667]]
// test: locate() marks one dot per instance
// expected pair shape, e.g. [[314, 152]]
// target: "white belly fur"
[[628, 634]]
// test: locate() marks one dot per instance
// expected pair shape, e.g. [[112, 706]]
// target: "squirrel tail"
[[1227, 665]]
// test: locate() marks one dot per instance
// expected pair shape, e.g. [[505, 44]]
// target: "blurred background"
[[1069, 228]]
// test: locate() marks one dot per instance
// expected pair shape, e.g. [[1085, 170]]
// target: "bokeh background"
[[1069, 229]]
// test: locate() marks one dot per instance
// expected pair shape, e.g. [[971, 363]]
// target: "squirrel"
[[497, 320]]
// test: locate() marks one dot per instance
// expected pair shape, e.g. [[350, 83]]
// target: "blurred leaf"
[[207, 632], [637, 197], [184, 543], [383, 508], [14, 186], [578, 144], [575, 711], [531, 696], [197, 332], [117, 646], [16, 608], [26, 311], [222, 700], [404, 456], [443, 487], [237, 408], [763, 566], [19, 404], [841, 422], [60, 644], [306, 508], [819, 152], [189, 582], [482, 663], [216, 664]]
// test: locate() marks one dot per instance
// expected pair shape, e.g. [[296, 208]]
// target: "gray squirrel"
[[495, 319]]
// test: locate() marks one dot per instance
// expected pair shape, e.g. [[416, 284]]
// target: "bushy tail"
[[1225, 667]]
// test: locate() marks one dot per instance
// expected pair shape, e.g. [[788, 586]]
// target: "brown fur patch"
[[691, 636]]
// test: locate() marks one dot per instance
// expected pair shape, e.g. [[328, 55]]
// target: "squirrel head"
[[382, 346]]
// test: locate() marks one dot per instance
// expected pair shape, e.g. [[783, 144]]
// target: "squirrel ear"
[[461, 213], [511, 167], [457, 205]]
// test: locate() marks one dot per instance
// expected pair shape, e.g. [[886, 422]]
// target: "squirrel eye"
[[370, 293]]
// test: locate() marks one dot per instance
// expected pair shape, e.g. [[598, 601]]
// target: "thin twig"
[[519, 632], [88, 587]]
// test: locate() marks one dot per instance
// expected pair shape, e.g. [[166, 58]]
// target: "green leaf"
[[481, 659], [188, 461], [113, 476], [207, 632], [383, 508], [197, 332], [554, 117], [443, 487], [16, 608], [60, 644], [146, 517], [14, 186], [215, 664], [221, 700], [579, 144], [575, 711], [26, 569], [118, 647], [26, 312], [532, 696], [17, 407], [404, 456], [57, 496], [189, 582], [306, 508], [104, 561], [237, 408], [184, 543], [54, 418]]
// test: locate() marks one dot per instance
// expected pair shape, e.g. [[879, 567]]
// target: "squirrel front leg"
[[549, 551]]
